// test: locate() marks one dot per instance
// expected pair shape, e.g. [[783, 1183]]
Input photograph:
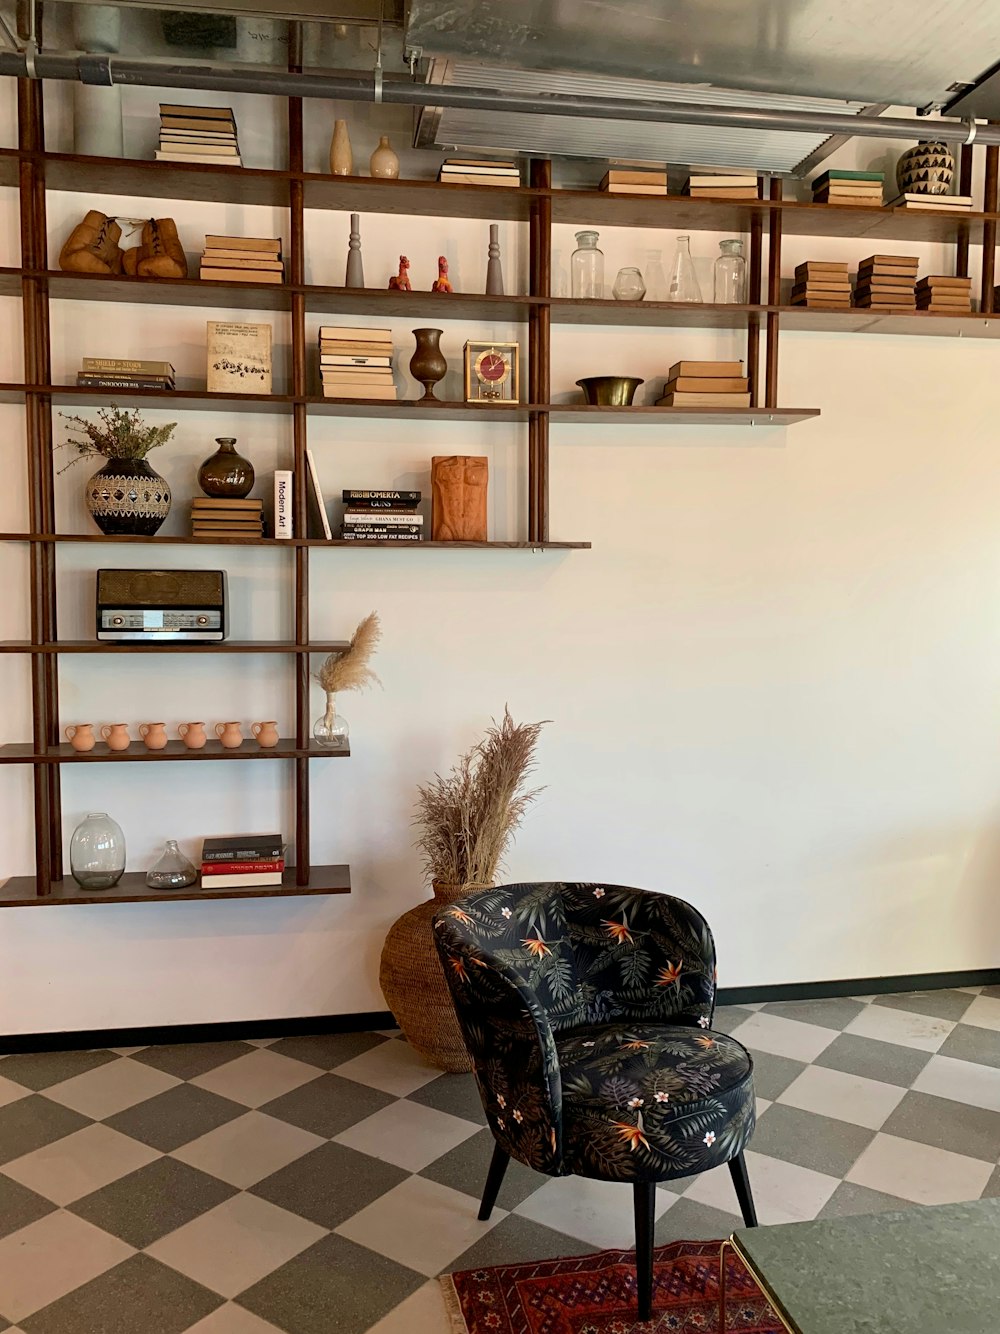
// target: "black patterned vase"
[[128, 498], [927, 169]]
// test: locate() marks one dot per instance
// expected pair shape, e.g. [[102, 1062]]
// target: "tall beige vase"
[[341, 157], [414, 986]]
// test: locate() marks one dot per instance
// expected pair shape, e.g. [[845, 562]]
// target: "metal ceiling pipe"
[[226, 79]]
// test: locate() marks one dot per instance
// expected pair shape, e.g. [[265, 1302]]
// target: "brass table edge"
[[731, 1242]]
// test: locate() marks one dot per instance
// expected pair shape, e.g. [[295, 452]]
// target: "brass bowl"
[[610, 391]]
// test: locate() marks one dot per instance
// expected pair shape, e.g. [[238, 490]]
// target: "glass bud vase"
[[587, 267], [97, 852], [683, 279], [628, 286], [173, 870], [731, 274], [331, 731]]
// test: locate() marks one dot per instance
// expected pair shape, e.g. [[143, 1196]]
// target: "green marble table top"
[[919, 1270]]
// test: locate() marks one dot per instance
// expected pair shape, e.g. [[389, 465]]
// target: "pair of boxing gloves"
[[93, 247]]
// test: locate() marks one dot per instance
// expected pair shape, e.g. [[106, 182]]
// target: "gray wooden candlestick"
[[494, 273], [355, 268]]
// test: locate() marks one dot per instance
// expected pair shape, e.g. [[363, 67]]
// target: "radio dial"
[[202, 620], [118, 620]]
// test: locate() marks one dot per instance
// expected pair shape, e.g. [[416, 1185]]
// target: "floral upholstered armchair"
[[587, 1011]]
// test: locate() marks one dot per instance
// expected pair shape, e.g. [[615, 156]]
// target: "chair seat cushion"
[[648, 1102]]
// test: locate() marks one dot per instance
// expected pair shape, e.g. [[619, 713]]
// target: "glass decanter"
[[97, 852], [628, 286], [683, 279], [173, 870], [587, 267], [731, 274], [331, 731]]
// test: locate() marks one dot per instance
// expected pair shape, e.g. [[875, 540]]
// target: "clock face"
[[492, 367]]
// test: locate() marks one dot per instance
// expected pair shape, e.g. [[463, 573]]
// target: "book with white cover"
[[318, 494], [282, 503], [239, 358]]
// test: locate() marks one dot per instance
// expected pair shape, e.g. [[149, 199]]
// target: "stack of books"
[[932, 203], [198, 134], [722, 185], [705, 384], [243, 861], [938, 292], [356, 363], [849, 187], [479, 171], [822, 284], [212, 516], [243, 259], [382, 516], [635, 181], [885, 281], [123, 373]]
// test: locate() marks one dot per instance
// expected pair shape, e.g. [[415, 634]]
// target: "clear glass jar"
[[97, 852], [173, 870], [587, 267], [628, 286], [683, 279], [331, 731], [731, 274]]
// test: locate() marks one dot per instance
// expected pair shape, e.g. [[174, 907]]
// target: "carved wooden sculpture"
[[400, 282], [92, 246], [458, 491], [160, 254]]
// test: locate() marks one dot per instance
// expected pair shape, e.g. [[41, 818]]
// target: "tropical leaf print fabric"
[[587, 1010]]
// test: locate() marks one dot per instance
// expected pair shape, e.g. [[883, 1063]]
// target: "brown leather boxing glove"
[[160, 254], [92, 246]]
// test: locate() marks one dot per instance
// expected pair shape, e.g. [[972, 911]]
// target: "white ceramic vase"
[[97, 120]]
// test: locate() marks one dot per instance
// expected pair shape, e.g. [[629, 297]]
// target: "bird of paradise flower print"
[[666, 977], [632, 1135], [535, 946], [619, 931]]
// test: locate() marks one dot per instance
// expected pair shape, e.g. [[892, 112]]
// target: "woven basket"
[[414, 986]]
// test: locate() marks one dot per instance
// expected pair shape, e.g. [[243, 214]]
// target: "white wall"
[[773, 681]]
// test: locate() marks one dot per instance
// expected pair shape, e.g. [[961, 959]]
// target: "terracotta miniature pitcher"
[[192, 734], [116, 735], [229, 734], [154, 735], [266, 734], [81, 736]]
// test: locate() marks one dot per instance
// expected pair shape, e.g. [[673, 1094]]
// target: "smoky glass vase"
[[97, 852], [173, 870]]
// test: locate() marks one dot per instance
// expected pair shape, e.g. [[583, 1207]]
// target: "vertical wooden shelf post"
[[987, 303], [964, 188], [773, 299], [539, 352], [753, 297]]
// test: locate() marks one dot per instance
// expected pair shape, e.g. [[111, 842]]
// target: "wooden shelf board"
[[165, 180], [169, 291], [287, 544], [195, 400], [25, 753], [9, 172], [678, 314], [687, 416], [434, 410], [432, 305], [22, 891], [425, 546], [226, 646], [361, 194], [926, 323], [10, 282]]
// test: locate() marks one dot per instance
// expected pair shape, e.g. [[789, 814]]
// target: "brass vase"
[[427, 365], [226, 474]]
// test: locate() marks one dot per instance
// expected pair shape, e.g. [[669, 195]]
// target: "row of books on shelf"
[[715, 184], [198, 134], [705, 384], [480, 171], [242, 861], [865, 189], [356, 363], [884, 282], [369, 515], [248, 259]]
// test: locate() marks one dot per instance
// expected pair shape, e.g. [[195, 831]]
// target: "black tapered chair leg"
[[738, 1171], [494, 1180], [644, 1200]]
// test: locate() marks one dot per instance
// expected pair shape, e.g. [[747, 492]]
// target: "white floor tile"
[[598, 1212], [420, 1224], [11, 1092], [962, 1081], [782, 1192], [248, 1149], [393, 1067], [884, 1024], [984, 1012], [784, 1037], [71, 1167], [919, 1172], [111, 1088], [231, 1319], [42, 1262], [972, 991], [408, 1134], [257, 1077], [423, 1312], [863, 1102]]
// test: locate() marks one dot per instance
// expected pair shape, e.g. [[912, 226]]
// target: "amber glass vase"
[[226, 474]]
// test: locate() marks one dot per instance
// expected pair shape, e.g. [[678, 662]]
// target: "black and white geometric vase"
[[927, 169], [128, 498]]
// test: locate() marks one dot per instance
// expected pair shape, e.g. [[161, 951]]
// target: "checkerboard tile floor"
[[316, 1185]]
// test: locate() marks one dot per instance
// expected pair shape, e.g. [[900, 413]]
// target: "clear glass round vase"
[[731, 274], [173, 870], [331, 730], [629, 286], [587, 267], [97, 852]]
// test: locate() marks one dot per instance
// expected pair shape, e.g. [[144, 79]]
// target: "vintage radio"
[[154, 605]]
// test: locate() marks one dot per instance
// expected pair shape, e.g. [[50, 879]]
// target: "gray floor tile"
[[335, 1285], [817, 1142], [969, 1043], [837, 1012], [19, 1206], [728, 1017], [464, 1168], [188, 1060], [773, 1074], [945, 1124], [328, 1105], [886, 1061], [515, 1240], [687, 1220], [993, 1185], [943, 1004], [40, 1069], [139, 1296], [329, 1184], [147, 1204], [30, 1122], [456, 1094], [991, 991], [176, 1117], [327, 1050], [850, 1198]]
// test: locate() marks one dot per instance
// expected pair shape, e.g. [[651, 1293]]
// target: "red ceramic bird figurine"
[[400, 282], [443, 282]]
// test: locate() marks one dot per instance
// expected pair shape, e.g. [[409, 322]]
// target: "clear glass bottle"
[[587, 267], [331, 731], [731, 274], [97, 852], [628, 286], [173, 870], [683, 279]]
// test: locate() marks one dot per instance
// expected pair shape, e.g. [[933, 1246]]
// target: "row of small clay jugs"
[[154, 735]]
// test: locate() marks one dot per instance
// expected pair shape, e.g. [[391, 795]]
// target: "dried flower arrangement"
[[468, 819], [349, 669], [119, 434]]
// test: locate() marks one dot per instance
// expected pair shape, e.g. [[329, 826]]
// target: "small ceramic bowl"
[[615, 391]]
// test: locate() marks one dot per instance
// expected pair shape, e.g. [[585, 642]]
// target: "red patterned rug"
[[595, 1294]]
